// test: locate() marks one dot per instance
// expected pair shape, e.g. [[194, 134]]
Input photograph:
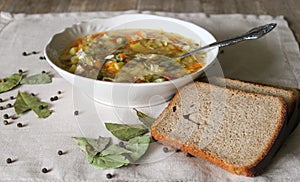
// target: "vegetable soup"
[[132, 55]]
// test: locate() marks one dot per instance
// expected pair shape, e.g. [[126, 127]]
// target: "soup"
[[132, 55]]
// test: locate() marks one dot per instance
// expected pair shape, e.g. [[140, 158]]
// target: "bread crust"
[[295, 117], [255, 169]]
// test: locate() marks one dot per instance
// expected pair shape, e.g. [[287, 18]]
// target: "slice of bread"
[[229, 128], [290, 95], [287, 94]]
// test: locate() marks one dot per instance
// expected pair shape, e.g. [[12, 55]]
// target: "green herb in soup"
[[132, 55]]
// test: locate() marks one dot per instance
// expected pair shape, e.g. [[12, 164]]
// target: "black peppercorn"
[[41, 107], [59, 92], [53, 98], [5, 122], [32, 94], [76, 113], [42, 57], [20, 125], [44, 170], [165, 149], [34, 52], [12, 97], [109, 176], [121, 144], [14, 117], [5, 116], [43, 71], [24, 54], [8, 105], [60, 152], [8, 160]]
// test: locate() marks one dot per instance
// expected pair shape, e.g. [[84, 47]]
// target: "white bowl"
[[128, 94]]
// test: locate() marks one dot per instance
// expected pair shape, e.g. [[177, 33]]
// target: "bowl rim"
[[138, 16]]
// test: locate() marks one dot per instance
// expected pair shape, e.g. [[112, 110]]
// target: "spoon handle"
[[252, 34]]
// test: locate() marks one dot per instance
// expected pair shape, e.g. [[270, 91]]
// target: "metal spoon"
[[252, 34]]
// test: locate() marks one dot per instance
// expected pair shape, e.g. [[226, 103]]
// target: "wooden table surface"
[[290, 9]]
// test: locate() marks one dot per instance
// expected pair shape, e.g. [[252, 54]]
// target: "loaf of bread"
[[234, 129]]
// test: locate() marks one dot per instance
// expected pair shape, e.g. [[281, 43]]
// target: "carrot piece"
[[109, 64], [122, 55], [78, 42], [194, 66], [176, 48], [110, 69], [133, 42]]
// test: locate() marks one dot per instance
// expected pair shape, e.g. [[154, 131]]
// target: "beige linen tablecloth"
[[274, 59]]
